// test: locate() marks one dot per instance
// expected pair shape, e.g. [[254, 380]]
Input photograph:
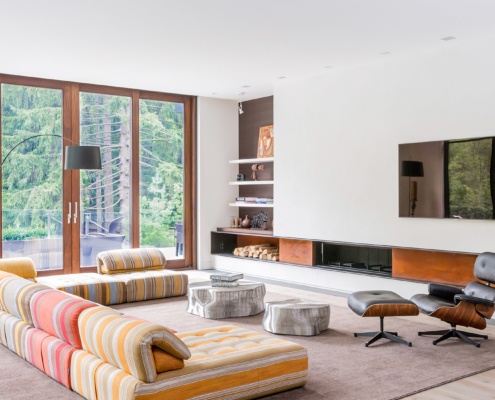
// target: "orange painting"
[[265, 142]]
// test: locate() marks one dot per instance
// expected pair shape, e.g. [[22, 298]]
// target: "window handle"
[[70, 212], [75, 213]]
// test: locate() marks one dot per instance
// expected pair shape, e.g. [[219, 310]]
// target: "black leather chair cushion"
[[475, 300], [445, 292], [359, 302], [428, 303], [484, 267], [477, 289]]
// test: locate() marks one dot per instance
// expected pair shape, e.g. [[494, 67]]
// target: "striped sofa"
[[124, 275], [103, 355]]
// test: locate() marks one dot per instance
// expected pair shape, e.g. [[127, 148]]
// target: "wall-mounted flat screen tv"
[[448, 179]]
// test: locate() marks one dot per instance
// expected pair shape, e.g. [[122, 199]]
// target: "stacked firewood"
[[261, 251]]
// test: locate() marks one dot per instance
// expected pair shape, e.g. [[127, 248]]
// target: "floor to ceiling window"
[[105, 121], [32, 174], [161, 146], [142, 196]]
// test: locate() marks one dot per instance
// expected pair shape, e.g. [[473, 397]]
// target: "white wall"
[[218, 142], [337, 140]]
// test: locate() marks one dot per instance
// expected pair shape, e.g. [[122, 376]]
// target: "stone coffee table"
[[296, 317], [225, 302]]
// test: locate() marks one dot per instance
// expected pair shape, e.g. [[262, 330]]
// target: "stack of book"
[[246, 200], [264, 200], [225, 280]]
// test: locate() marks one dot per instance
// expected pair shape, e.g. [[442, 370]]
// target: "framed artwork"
[[265, 142]]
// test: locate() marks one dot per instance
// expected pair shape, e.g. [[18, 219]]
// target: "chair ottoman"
[[296, 317], [381, 303]]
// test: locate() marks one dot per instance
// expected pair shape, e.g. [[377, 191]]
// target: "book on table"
[[229, 277], [215, 283]]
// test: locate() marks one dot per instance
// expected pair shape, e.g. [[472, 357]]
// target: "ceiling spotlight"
[[240, 108], [447, 38], [246, 86], [328, 66], [385, 53], [281, 77]]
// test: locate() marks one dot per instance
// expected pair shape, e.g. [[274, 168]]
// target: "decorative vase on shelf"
[[246, 222]]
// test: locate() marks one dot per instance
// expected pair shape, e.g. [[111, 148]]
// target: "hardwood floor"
[[476, 387]]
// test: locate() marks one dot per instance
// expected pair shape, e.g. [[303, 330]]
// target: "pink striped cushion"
[[57, 313], [56, 359], [49, 354], [32, 347]]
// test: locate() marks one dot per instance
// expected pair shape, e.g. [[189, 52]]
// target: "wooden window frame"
[[70, 131]]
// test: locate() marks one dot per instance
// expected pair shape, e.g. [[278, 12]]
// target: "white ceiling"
[[214, 48]]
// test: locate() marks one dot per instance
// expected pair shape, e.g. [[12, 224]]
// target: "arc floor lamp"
[[76, 157]]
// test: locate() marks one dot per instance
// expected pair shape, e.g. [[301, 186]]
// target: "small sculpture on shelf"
[[256, 167], [259, 220], [246, 222]]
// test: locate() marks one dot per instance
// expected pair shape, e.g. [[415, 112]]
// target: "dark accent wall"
[[257, 113]]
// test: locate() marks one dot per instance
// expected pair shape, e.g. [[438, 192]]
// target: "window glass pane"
[[161, 134], [105, 198], [32, 175]]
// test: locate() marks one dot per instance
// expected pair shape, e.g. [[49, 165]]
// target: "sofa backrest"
[[130, 260], [127, 343], [16, 294], [21, 266], [57, 314]]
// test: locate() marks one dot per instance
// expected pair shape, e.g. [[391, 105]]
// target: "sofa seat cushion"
[[93, 378], [15, 296], [21, 266], [149, 285], [12, 333], [57, 313], [102, 289], [129, 260], [231, 362], [127, 343], [49, 354]]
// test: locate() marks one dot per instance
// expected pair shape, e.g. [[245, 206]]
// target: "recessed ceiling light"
[[328, 66], [447, 38], [385, 53], [281, 77], [245, 86], [214, 93], [241, 93]]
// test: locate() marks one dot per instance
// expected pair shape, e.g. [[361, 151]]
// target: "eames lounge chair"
[[470, 307]]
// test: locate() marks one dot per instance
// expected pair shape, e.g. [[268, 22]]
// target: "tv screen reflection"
[[447, 179]]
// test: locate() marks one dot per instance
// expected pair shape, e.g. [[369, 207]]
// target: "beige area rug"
[[340, 367]]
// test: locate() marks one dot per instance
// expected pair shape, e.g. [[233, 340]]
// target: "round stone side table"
[[296, 317], [225, 302]]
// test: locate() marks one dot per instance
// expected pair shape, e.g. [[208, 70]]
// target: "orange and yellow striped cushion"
[[231, 363], [149, 285], [57, 313], [126, 343], [102, 289], [129, 260], [20, 266], [83, 367]]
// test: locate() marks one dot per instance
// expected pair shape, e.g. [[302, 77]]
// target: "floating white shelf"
[[241, 183], [252, 160], [251, 205]]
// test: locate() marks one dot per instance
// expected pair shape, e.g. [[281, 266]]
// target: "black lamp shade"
[[82, 157], [412, 168]]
